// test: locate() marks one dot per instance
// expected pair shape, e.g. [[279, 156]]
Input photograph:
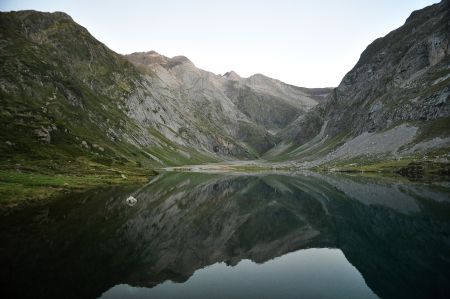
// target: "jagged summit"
[[147, 58], [180, 59], [232, 75]]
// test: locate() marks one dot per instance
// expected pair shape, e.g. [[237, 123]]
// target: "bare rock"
[[85, 144], [43, 135]]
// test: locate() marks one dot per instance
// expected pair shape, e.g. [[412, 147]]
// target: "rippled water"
[[193, 235]]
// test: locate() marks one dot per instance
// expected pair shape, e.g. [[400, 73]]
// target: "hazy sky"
[[306, 43]]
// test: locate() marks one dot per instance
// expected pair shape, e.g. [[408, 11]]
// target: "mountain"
[[244, 112], [68, 102], [393, 104], [62, 97], [272, 103]]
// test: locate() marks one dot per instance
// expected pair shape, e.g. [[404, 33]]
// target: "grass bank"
[[27, 185], [405, 167]]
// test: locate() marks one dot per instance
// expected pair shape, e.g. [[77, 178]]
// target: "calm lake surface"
[[196, 235]]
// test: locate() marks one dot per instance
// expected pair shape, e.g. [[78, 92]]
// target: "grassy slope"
[[56, 77]]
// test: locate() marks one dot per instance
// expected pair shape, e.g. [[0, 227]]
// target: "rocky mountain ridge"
[[67, 98], [241, 96], [395, 101]]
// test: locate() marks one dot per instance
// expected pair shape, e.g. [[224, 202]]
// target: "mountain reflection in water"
[[327, 236], [307, 273]]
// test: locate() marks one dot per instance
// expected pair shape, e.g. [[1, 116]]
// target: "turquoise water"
[[193, 235]]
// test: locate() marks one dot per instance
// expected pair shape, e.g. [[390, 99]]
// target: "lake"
[[225, 235]]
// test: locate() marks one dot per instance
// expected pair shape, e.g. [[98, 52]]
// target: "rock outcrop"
[[400, 79]]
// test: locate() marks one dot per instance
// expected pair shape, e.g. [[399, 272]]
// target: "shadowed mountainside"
[[393, 103]]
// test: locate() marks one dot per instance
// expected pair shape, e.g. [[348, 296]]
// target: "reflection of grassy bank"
[[404, 167], [32, 184], [25, 187], [407, 167]]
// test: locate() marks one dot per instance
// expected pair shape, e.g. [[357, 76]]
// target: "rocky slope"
[[393, 103], [66, 98], [62, 96], [271, 103], [243, 111]]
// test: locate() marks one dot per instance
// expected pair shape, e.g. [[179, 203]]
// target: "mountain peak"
[[177, 60], [232, 75], [147, 58], [28, 13]]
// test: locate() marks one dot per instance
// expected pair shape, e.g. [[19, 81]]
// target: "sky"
[[305, 43]]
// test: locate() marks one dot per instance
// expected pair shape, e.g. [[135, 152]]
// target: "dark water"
[[194, 235]]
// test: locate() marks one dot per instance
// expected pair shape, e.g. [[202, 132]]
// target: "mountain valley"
[[70, 105]]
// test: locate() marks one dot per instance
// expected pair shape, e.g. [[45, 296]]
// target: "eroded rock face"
[[437, 49], [227, 115], [43, 135], [402, 77], [395, 79]]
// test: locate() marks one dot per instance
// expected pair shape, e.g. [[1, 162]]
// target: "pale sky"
[[305, 43]]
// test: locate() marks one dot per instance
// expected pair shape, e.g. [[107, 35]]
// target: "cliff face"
[[183, 98], [400, 77], [244, 111], [401, 81]]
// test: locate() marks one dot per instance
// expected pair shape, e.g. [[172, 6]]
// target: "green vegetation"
[[26, 187], [409, 167], [63, 112], [311, 150], [437, 128]]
